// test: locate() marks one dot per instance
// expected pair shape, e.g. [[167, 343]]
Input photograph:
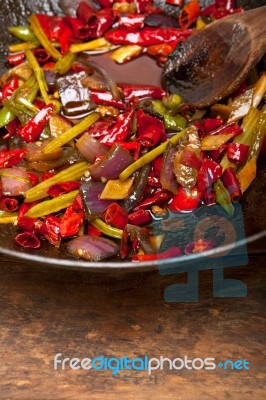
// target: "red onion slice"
[[15, 181], [115, 161], [93, 205], [93, 248], [90, 147]]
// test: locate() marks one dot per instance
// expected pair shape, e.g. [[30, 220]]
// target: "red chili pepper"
[[16, 59], [12, 128], [130, 92], [34, 127], [72, 218], [209, 124], [77, 28], [150, 130], [221, 8], [140, 217], [170, 253], [189, 14], [28, 223], [190, 159], [34, 179], [116, 216], [231, 182], [146, 36], [106, 98], [106, 3], [157, 166], [199, 246], [39, 103], [91, 230], [159, 197], [237, 152], [9, 88], [121, 130], [9, 204], [66, 36], [178, 3], [132, 21], [161, 50], [86, 14], [11, 158], [47, 175], [51, 230], [217, 155], [52, 26], [209, 172], [185, 199], [154, 181], [28, 239], [209, 196], [42, 55], [105, 19], [101, 128], [232, 127], [62, 188]]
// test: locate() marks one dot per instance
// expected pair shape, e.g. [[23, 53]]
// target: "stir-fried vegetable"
[[85, 159]]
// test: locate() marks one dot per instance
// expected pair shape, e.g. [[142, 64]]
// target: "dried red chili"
[[62, 188], [34, 127], [237, 152], [9, 88], [11, 158], [208, 173], [28, 239], [16, 59], [189, 14], [116, 216], [185, 199], [150, 130], [130, 92], [72, 218], [170, 253], [9, 204], [147, 36], [140, 217], [121, 130], [231, 182]]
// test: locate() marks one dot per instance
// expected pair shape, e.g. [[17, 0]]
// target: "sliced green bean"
[[223, 197], [41, 36], [13, 48], [258, 136], [150, 156], [71, 133], [51, 206], [63, 65], [72, 173], [39, 75], [6, 116], [23, 33], [107, 229]]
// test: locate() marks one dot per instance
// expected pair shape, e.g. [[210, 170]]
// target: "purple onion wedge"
[[93, 248], [14, 181], [90, 147], [114, 162], [167, 177], [90, 193]]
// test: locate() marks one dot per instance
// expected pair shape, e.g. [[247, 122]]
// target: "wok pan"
[[16, 12]]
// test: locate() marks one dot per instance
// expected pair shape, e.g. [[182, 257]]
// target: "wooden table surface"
[[45, 311]]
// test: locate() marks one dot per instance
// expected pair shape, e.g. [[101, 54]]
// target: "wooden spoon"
[[214, 61]]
